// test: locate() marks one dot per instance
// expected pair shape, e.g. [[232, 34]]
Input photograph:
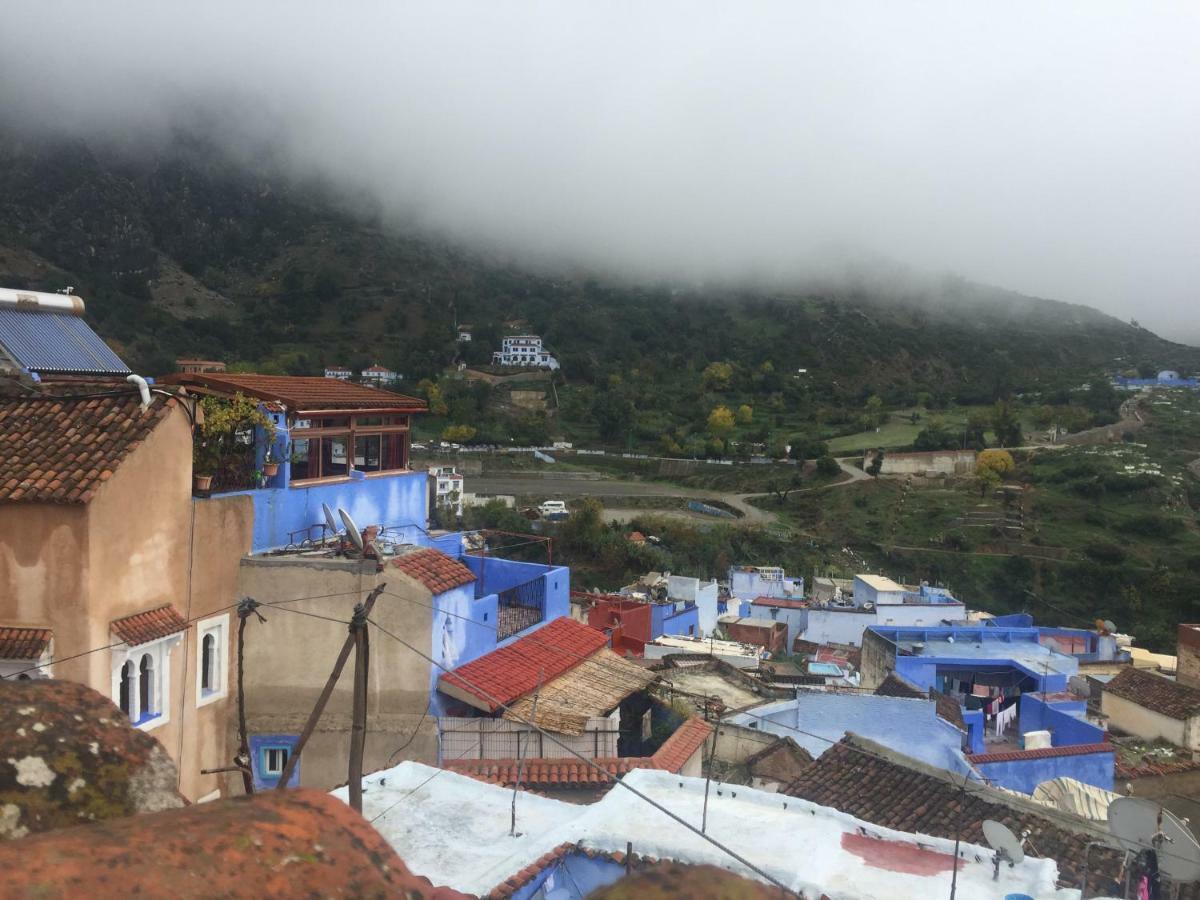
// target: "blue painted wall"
[[1014, 620], [258, 744], [1063, 720], [1026, 774], [973, 719], [392, 500], [572, 877], [678, 618]]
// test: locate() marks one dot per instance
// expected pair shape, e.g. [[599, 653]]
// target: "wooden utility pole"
[[327, 691], [358, 729], [247, 606]]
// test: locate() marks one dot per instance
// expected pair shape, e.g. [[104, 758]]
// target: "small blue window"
[[269, 755]]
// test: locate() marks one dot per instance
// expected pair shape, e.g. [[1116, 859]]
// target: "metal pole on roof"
[[512, 828], [242, 761], [712, 755]]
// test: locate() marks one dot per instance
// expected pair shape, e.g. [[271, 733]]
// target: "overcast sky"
[[1051, 148]]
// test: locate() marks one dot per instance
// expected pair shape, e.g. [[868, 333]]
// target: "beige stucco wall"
[[288, 661], [1144, 723], [76, 568]]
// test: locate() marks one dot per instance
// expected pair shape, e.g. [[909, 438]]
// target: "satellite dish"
[[1140, 824], [330, 521], [1008, 848], [352, 531], [1052, 645], [1110, 626], [1079, 686]]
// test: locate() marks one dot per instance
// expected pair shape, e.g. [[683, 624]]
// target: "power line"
[[592, 765]]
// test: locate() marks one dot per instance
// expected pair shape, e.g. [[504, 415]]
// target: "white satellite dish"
[[1079, 686], [330, 521], [1052, 645], [1141, 824], [352, 531], [1008, 848], [1109, 626]]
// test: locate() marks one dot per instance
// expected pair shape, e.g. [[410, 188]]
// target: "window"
[[141, 681], [321, 448], [275, 760], [212, 664]]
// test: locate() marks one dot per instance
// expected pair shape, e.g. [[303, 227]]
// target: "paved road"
[[565, 485]]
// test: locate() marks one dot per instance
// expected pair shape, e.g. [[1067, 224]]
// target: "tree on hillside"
[[935, 436], [990, 468], [876, 414], [745, 414], [717, 376], [720, 422], [1005, 424], [975, 431]]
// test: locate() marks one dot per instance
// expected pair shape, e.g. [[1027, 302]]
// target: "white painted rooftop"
[[879, 582], [1027, 653], [454, 830]]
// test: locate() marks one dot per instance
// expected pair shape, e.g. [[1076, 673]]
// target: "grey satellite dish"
[[1079, 686], [1109, 626], [352, 531], [1008, 848], [1052, 645], [1141, 824], [330, 521]]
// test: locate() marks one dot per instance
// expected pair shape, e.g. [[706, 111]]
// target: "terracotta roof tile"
[[301, 392], [867, 780], [511, 672], [1146, 768], [544, 773], [780, 602], [782, 761], [143, 627], [274, 844], [1170, 698], [1040, 753], [434, 569], [895, 686], [60, 449], [24, 643]]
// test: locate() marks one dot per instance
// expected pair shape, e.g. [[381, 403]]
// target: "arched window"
[[146, 687], [126, 688], [208, 659]]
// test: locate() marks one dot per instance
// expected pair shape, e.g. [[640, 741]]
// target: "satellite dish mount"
[[1008, 848]]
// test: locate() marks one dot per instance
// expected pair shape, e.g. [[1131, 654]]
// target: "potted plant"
[[270, 464], [203, 465]]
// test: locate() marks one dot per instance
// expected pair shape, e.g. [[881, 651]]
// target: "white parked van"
[[553, 509]]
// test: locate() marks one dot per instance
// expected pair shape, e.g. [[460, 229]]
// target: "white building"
[[750, 582], [524, 350], [876, 590], [464, 333], [341, 373], [705, 594], [379, 376], [448, 488]]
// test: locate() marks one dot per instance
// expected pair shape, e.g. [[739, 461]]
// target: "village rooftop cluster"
[[171, 640]]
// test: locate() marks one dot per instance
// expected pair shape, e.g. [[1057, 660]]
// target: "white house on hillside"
[[379, 376], [448, 488], [341, 373], [524, 350]]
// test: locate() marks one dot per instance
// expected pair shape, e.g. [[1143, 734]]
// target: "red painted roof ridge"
[[301, 392], [1040, 753], [679, 747], [23, 642]]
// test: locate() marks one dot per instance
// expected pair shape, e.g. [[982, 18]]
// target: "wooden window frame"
[[401, 424]]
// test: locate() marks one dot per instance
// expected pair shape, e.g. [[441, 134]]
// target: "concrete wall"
[[737, 743], [940, 462], [288, 661], [1064, 721], [1187, 670], [837, 626], [1141, 722], [796, 620], [878, 659], [1026, 774], [702, 593]]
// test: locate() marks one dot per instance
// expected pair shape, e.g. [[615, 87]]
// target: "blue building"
[[1024, 724], [1166, 378]]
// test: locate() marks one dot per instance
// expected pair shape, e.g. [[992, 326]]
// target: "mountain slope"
[[183, 252]]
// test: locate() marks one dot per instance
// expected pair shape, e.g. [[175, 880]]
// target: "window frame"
[[393, 424], [159, 652], [218, 628]]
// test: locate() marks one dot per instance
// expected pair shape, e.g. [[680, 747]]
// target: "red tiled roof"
[[679, 747], [301, 392], [543, 773], [1161, 695], [1147, 769], [1040, 753], [780, 602], [24, 643], [60, 449], [274, 844], [434, 569], [143, 627], [511, 672]]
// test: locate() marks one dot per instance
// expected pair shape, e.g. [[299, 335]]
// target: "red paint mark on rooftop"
[[896, 856]]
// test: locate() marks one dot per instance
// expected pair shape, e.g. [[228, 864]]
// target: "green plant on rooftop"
[[224, 444]]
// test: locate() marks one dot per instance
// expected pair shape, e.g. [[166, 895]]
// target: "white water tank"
[[1037, 740]]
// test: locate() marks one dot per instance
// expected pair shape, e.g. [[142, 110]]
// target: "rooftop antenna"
[[1008, 848], [1140, 824], [352, 531], [330, 521]]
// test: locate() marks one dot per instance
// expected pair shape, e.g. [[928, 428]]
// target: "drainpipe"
[[143, 388]]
